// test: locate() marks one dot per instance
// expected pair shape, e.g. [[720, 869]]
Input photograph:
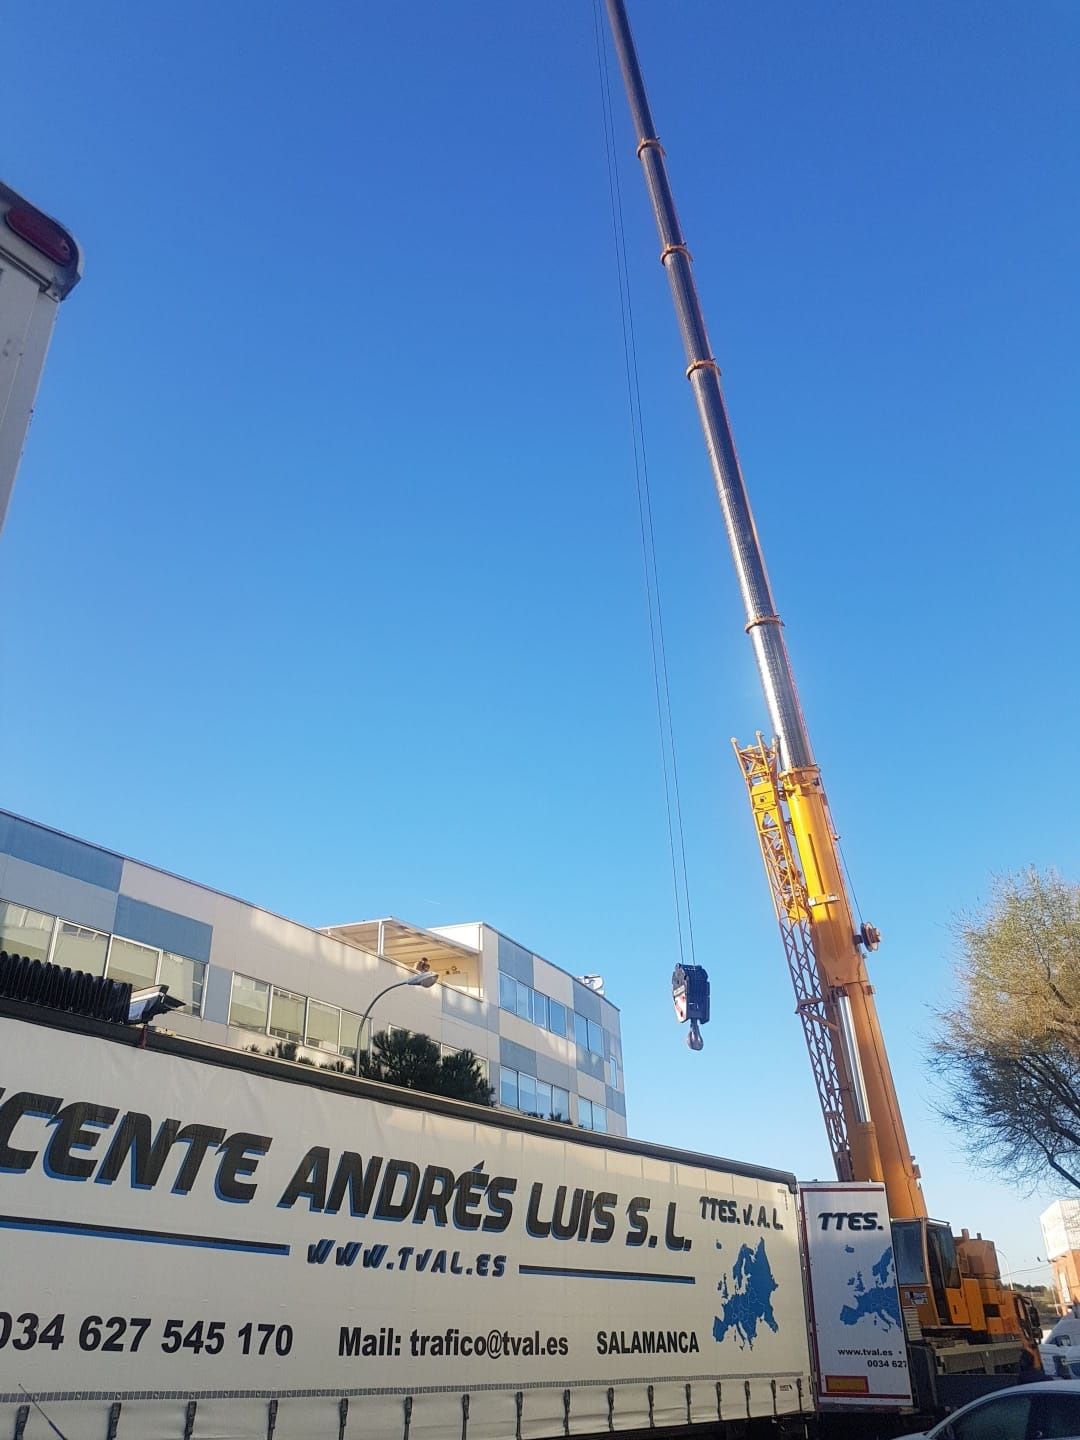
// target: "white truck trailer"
[[39, 265], [201, 1242]]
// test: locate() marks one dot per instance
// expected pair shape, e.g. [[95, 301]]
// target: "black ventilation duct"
[[57, 988]]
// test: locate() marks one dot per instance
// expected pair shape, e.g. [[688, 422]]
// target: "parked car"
[[1060, 1348], [1048, 1410]]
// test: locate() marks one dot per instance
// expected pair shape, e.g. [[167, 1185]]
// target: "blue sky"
[[322, 579]]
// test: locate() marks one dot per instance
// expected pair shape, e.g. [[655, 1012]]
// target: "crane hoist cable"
[[661, 684]]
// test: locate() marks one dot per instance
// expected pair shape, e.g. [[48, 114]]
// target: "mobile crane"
[[951, 1291]]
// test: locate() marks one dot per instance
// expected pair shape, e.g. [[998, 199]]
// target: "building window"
[[588, 1034], [78, 948], [185, 978], [350, 1029], [533, 1005], [531, 1096], [249, 1006], [613, 1072], [141, 965], [507, 991], [524, 1001], [592, 1116], [24, 931], [323, 1028], [527, 1093], [287, 1015], [137, 964]]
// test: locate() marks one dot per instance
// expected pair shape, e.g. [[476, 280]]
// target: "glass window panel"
[[1057, 1416], [584, 1111], [287, 1015], [133, 962], [907, 1247], [508, 1088], [596, 1038], [184, 977], [581, 1030], [942, 1255], [80, 949], [543, 1099], [540, 1009], [350, 1028], [524, 1001], [527, 1094], [599, 1119], [250, 1003], [560, 1103], [556, 1017], [507, 991], [1000, 1417], [613, 1072], [323, 1025], [481, 1061], [24, 931]]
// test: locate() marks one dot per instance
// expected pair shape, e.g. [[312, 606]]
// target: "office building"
[[549, 1042]]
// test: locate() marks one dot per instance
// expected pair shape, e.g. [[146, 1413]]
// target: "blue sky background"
[[322, 580]]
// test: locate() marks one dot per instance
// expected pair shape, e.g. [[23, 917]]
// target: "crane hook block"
[[690, 993]]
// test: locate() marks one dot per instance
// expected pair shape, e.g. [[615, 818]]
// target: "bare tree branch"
[[1008, 1049]]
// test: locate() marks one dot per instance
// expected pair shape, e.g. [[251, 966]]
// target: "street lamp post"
[[424, 978], [1008, 1265]]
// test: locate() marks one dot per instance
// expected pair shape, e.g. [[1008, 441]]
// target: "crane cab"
[[951, 1285]]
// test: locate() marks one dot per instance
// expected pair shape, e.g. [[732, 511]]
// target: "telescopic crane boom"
[[950, 1286], [824, 946]]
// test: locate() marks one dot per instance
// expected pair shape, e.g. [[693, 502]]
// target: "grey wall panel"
[[218, 992], [591, 1064], [513, 960], [554, 1072], [136, 920], [615, 1101], [59, 894], [609, 1016], [517, 1057], [586, 1002], [59, 852]]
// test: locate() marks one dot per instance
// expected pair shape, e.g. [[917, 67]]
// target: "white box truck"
[[199, 1242], [39, 265]]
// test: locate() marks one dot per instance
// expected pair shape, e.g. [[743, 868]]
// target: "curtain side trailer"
[[202, 1242]]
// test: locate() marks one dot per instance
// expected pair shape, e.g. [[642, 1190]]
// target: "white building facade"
[[1061, 1236], [549, 1043]]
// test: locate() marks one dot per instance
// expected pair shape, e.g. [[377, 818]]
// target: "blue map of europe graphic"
[[879, 1300], [746, 1297]]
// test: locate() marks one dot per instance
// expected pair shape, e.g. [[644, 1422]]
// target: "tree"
[[1008, 1050], [415, 1061]]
